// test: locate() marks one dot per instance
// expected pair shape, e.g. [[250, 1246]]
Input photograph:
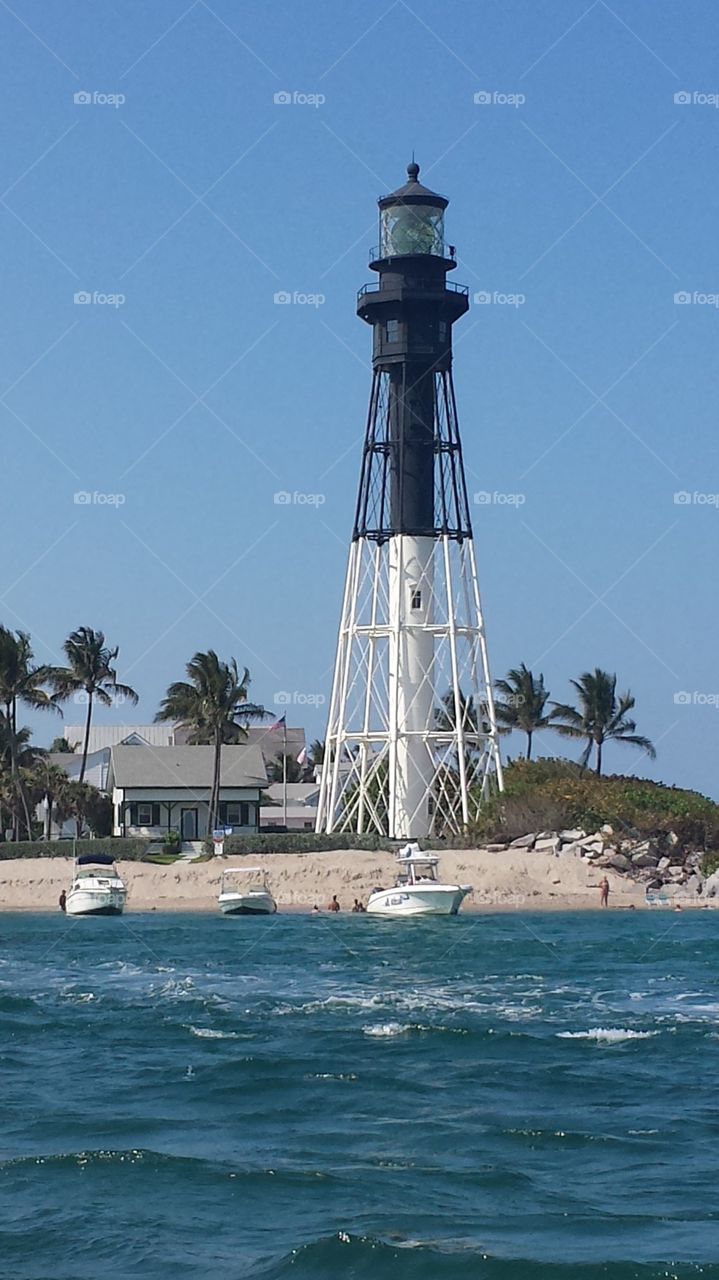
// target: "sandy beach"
[[518, 879]]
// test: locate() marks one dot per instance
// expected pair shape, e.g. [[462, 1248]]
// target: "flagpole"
[[284, 772]]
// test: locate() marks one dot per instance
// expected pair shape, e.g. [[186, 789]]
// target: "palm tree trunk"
[[86, 743], [599, 758], [215, 794], [529, 744], [48, 815]]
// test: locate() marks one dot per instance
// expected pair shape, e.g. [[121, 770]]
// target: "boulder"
[[663, 864], [569, 837], [495, 848], [694, 884], [672, 838], [645, 859], [619, 861], [524, 842], [676, 870], [606, 830], [546, 835], [711, 885], [549, 845], [590, 841]]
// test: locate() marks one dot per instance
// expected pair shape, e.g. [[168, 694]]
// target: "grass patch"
[[161, 859], [553, 794]]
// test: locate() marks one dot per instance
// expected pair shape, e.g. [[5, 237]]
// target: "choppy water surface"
[[512, 1096]]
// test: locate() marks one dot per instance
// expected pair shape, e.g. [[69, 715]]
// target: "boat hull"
[[416, 900], [245, 904], [106, 902]]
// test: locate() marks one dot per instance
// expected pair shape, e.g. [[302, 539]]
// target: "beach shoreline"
[[513, 880]]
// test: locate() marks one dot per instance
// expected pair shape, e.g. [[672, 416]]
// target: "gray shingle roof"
[[158, 767]]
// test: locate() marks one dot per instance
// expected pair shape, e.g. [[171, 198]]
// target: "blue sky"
[[196, 398]]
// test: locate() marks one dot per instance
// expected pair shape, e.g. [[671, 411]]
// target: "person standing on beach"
[[63, 901], [604, 892], [334, 904]]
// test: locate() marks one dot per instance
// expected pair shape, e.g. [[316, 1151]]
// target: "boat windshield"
[[417, 871], [97, 873]]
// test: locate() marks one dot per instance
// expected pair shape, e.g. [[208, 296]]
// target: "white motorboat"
[[253, 898], [97, 889], [418, 891]]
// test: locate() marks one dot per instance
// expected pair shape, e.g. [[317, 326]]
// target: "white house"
[[160, 789], [103, 736], [302, 802]]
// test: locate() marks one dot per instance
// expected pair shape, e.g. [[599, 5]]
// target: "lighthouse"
[[411, 746]]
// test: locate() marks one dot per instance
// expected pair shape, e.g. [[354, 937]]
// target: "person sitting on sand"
[[334, 904], [604, 892], [315, 910]]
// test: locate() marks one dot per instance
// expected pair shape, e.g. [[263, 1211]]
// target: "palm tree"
[[523, 703], [213, 707], [19, 785], [21, 684], [90, 671], [317, 752], [602, 717]]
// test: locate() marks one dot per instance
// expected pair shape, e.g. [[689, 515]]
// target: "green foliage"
[[131, 849], [302, 842], [710, 862], [552, 794], [172, 842]]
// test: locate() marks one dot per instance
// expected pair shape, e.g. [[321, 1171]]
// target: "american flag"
[[279, 724]]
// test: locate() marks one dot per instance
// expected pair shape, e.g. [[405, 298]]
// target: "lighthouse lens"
[[410, 229]]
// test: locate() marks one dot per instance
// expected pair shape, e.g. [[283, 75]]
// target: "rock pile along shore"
[[659, 864]]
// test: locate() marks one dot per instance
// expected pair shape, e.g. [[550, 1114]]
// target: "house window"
[[235, 813], [392, 331], [416, 602], [144, 814]]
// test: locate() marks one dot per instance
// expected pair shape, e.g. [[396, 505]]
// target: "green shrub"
[[302, 842], [131, 849], [552, 794]]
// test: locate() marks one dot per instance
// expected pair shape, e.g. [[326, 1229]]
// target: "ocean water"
[[519, 1097]]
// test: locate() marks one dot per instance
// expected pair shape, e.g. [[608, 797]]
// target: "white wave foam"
[[207, 1033], [607, 1035], [384, 1029]]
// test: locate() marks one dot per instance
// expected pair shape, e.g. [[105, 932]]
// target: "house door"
[[188, 824]]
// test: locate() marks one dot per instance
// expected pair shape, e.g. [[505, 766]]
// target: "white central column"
[[411, 696]]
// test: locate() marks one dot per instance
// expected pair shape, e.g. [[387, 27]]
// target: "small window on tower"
[[443, 330], [392, 330], [416, 600]]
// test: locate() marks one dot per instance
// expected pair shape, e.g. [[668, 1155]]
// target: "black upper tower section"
[[411, 310]]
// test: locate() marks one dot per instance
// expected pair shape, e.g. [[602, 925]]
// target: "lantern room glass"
[[412, 229]]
